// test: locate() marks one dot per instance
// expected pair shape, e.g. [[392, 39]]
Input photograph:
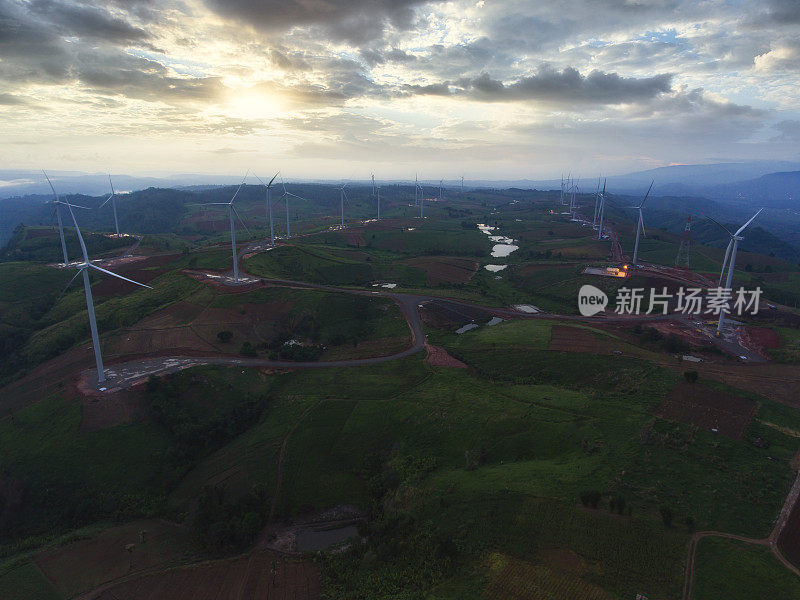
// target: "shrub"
[[590, 498], [225, 336], [666, 516], [691, 376], [248, 349]]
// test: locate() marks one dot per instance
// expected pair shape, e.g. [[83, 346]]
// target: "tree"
[[225, 336], [691, 376], [666, 516]]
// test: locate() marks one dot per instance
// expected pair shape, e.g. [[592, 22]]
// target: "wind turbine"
[[416, 190], [462, 184], [113, 204], [58, 204], [268, 187], [640, 224], [231, 212], [596, 198], [376, 193], [342, 196], [602, 211], [441, 181], [286, 195], [733, 245], [83, 269], [421, 201]]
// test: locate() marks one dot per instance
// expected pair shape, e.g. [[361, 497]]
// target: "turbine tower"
[[83, 269], [640, 225], [421, 201], [342, 196], [113, 204], [268, 187], [441, 181], [231, 212], [416, 190], [733, 245], [596, 198], [378, 195], [682, 260], [602, 211], [286, 195], [58, 204]]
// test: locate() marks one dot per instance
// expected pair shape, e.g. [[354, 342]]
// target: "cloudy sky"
[[339, 88]]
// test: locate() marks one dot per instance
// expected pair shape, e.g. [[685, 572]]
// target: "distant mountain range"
[[761, 180]]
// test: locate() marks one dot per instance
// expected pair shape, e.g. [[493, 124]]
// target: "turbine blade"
[[111, 184], [721, 225], [80, 237], [107, 272], [743, 227], [236, 212], [78, 272], [55, 194], [106, 202], [273, 179], [647, 194], [239, 188]]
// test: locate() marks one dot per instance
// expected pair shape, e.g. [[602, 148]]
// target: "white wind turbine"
[[231, 212], [113, 204], [596, 199], [602, 211], [733, 245], [285, 196], [416, 190], [421, 201], [376, 193], [640, 224], [342, 196], [83, 268], [58, 204], [441, 181], [268, 187]]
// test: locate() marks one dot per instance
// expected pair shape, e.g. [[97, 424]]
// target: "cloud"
[[86, 21], [784, 11], [784, 56], [553, 86], [354, 21], [789, 131]]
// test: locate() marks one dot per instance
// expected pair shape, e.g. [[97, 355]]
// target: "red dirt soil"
[[573, 339], [708, 408], [242, 578], [143, 270], [445, 269], [438, 357], [761, 337]]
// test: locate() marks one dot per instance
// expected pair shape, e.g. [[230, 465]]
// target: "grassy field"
[[738, 571], [475, 482], [26, 582]]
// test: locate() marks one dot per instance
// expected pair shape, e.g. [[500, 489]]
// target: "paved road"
[[127, 374]]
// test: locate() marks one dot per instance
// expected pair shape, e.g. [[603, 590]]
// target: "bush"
[[691, 376], [666, 516], [590, 498], [248, 349], [225, 336]]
